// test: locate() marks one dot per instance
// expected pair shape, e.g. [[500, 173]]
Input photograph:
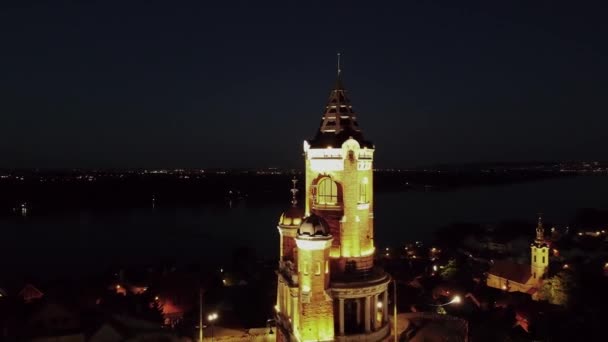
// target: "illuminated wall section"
[[316, 316], [351, 168]]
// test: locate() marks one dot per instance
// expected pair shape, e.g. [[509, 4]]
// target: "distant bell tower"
[[539, 253]]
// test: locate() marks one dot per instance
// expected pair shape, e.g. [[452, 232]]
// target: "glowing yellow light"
[[566, 266], [156, 298], [368, 252], [433, 249], [311, 245], [504, 287], [379, 305], [435, 268], [118, 287], [456, 299]]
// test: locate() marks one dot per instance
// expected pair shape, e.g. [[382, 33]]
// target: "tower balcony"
[[361, 306], [327, 207], [359, 278]]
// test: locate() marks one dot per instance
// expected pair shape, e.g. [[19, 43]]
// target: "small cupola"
[[314, 225]]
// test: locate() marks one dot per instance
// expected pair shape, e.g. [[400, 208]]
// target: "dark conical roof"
[[339, 121]]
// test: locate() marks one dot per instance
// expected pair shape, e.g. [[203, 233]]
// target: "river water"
[[89, 240]]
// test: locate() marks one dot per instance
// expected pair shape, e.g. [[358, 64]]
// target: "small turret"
[[289, 222], [316, 320]]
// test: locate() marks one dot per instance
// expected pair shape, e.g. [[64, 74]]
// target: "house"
[[30, 293], [510, 276]]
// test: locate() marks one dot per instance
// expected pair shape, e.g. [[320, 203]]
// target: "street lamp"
[[211, 318], [455, 300], [395, 308]]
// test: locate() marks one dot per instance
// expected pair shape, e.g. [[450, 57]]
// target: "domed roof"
[[292, 217], [314, 225]]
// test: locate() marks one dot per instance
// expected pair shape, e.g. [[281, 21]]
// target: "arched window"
[[363, 191], [327, 192]]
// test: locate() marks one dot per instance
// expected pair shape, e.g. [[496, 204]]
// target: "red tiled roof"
[[512, 271], [532, 291]]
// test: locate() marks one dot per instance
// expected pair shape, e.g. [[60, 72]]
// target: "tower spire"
[[339, 85], [540, 230], [339, 66], [294, 191]]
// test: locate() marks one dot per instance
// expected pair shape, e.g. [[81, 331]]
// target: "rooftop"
[[510, 270]]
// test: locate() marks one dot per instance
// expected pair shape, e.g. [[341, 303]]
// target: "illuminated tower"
[[539, 253], [316, 317], [338, 194]]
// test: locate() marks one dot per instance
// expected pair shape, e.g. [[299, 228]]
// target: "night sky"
[[241, 84]]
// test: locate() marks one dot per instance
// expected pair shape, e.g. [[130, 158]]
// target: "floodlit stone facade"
[[328, 287]]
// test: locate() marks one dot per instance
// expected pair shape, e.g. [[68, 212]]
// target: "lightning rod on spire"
[[339, 69], [294, 191]]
